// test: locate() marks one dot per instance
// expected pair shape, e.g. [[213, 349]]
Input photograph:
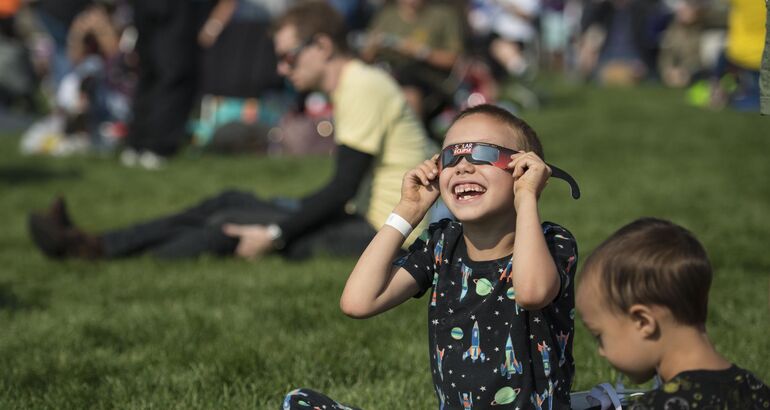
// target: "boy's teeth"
[[461, 189]]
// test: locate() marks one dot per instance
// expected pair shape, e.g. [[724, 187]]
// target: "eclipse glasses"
[[481, 153]]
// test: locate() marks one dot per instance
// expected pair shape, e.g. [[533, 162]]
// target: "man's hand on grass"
[[254, 240]]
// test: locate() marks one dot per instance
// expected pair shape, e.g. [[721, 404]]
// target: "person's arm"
[[536, 278], [351, 166], [375, 285], [443, 59], [216, 22]]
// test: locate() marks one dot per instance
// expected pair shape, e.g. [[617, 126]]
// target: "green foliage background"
[[212, 333]]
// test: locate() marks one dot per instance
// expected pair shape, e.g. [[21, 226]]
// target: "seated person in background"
[[419, 42], [507, 28], [742, 58], [616, 45], [643, 294], [378, 139], [96, 95], [679, 60], [500, 324]]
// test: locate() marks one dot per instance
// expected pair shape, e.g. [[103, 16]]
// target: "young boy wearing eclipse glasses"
[[501, 303]]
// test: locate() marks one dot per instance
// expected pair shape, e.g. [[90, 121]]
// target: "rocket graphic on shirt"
[[562, 339], [466, 399], [441, 398], [539, 399], [466, 274], [543, 349], [438, 252], [474, 352], [507, 274], [511, 366], [435, 283], [439, 358]]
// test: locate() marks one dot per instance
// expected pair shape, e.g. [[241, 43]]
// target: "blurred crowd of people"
[[144, 76]]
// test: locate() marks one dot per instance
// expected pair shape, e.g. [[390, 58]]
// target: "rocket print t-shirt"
[[486, 351]]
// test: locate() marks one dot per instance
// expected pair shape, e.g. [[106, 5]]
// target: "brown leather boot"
[[58, 211], [54, 234]]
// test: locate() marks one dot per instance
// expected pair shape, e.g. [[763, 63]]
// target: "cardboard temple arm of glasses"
[[557, 172]]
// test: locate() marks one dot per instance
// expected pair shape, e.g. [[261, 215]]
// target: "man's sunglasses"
[[481, 153], [290, 57]]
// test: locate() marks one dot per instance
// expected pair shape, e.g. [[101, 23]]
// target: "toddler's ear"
[[645, 320]]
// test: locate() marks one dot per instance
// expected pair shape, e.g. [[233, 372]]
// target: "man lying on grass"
[[378, 139]]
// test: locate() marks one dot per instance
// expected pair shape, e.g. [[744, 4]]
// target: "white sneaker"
[[129, 157], [152, 161]]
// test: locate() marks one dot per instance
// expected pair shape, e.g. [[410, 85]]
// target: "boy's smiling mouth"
[[466, 191]]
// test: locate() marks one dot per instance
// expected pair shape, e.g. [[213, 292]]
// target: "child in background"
[[643, 294], [501, 306]]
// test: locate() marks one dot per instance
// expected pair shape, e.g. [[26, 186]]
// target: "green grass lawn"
[[212, 333]]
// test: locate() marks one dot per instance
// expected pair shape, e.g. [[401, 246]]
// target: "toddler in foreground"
[[643, 294], [501, 303]]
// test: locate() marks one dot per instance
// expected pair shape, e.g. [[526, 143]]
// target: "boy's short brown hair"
[[528, 139], [315, 17], [653, 262]]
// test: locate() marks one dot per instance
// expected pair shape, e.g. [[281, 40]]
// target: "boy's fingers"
[[422, 176], [519, 167], [429, 170], [515, 158]]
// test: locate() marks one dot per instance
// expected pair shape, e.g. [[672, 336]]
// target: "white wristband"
[[399, 223]]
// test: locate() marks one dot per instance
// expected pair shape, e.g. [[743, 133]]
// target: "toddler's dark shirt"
[[731, 389]]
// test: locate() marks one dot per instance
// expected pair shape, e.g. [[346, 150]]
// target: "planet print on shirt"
[[506, 395]]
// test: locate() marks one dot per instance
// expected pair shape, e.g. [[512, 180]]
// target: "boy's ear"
[[645, 321]]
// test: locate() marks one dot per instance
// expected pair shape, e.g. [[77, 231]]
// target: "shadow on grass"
[[11, 301], [18, 175]]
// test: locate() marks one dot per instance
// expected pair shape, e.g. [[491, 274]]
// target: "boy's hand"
[[419, 191], [530, 175]]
